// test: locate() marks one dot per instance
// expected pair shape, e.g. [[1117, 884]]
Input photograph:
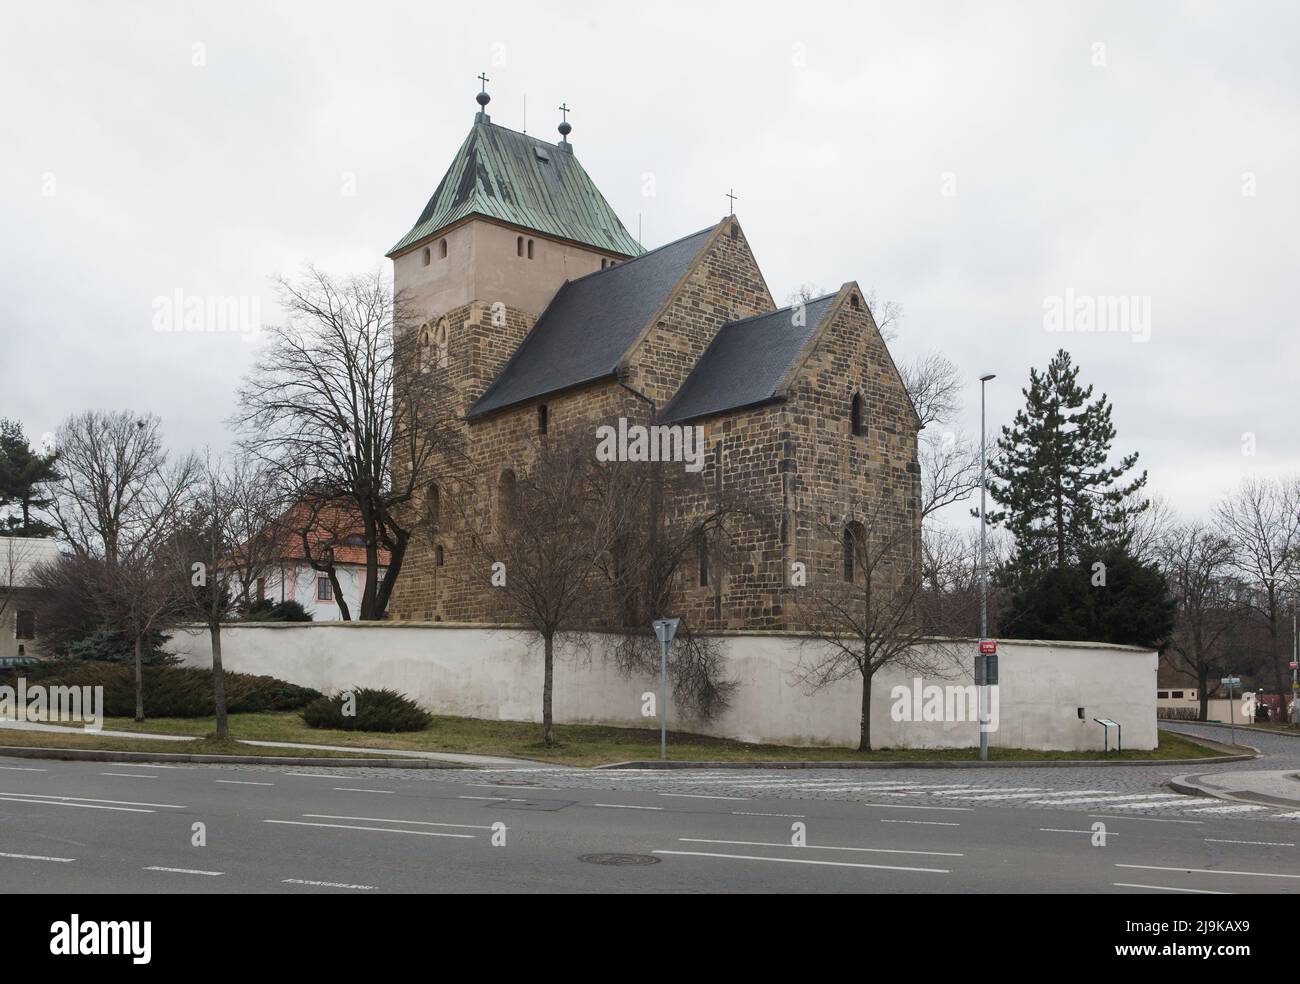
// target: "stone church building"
[[545, 316]]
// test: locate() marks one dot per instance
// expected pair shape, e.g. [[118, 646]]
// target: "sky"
[[997, 171]]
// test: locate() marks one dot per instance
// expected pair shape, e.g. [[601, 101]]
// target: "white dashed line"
[[831, 864], [127, 775], [1207, 871], [381, 830], [1215, 840], [1240, 808], [788, 816], [927, 823], [1111, 816], [19, 768], [348, 789], [325, 884], [1167, 888], [703, 796], [184, 871], [626, 806], [244, 782], [905, 806], [35, 857], [421, 823], [818, 847]]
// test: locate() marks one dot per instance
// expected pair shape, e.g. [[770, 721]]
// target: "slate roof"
[[590, 324], [746, 362], [527, 182]]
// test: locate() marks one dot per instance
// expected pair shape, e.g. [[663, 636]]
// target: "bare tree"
[[344, 400], [863, 616], [677, 534], [1262, 519], [1198, 560], [229, 544], [539, 557]]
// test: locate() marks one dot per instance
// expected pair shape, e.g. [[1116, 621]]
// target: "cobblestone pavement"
[[1101, 790]]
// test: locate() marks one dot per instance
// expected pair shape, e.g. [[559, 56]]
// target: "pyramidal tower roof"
[[515, 178]]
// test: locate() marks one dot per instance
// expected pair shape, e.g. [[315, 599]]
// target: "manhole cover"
[[620, 859]]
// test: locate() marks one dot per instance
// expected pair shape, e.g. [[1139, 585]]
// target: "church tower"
[[512, 219]]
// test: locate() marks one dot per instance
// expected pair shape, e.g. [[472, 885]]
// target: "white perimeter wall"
[[496, 674]]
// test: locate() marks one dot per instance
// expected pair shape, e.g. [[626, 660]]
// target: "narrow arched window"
[[702, 548], [426, 256], [854, 541], [442, 250], [432, 506], [505, 499], [530, 249], [855, 415], [519, 246], [441, 343], [853, 301], [542, 418], [440, 557]]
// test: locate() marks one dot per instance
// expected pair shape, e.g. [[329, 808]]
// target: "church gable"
[[724, 285]]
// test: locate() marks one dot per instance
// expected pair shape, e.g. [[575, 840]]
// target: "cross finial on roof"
[[731, 193], [482, 77], [564, 127], [483, 98]]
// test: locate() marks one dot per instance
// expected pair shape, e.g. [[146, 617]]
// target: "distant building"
[[19, 557], [333, 537]]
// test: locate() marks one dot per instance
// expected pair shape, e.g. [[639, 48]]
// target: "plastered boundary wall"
[[496, 673]]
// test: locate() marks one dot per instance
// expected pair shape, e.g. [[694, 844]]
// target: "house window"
[[441, 343], [439, 557], [432, 506], [853, 301], [604, 263], [324, 590], [505, 499], [25, 624], [442, 250], [1177, 695], [530, 249], [426, 256], [1162, 694], [855, 416], [541, 418], [519, 246]]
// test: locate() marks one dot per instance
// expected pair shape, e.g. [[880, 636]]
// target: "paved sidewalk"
[[1277, 788]]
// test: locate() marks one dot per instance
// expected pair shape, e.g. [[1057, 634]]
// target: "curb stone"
[[104, 755]]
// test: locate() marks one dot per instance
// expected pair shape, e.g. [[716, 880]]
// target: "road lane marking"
[[1112, 816], [1062, 830], [128, 775], [626, 806], [84, 806], [422, 823], [928, 823], [1015, 792], [312, 775], [906, 806], [493, 799], [324, 884], [831, 864], [1168, 888], [1144, 797], [1240, 808], [1207, 871], [1216, 840], [704, 796], [184, 871], [19, 768], [35, 857], [87, 799], [244, 782], [382, 830], [1031, 795], [788, 816], [348, 789], [817, 847]]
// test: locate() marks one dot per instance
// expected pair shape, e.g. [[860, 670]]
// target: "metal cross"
[[565, 110], [484, 79], [733, 196]]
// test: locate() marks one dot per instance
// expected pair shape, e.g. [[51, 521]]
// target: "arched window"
[[854, 302], [856, 424], [441, 343], [440, 557], [702, 550], [432, 506], [542, 418], [442, 250], [854, 541], [505, 499], [426, 256], [604, 263], [530, 249], [519, 246]]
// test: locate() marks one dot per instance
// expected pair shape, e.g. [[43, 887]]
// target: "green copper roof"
[[527, 182]]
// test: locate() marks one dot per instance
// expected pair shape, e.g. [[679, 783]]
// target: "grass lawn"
[[584, 744], [76, 738]]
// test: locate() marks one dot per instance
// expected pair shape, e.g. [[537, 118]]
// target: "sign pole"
[[665, 629]]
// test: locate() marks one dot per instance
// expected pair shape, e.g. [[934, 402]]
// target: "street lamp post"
[[983, 660], [665, 629]]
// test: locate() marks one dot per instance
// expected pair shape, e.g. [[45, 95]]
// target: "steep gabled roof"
[[590, 324], [526, 182], [747, 361]]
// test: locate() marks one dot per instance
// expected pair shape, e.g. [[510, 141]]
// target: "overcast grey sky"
[[969, 164]]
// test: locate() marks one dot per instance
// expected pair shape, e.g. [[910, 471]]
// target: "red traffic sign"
[[988, 647], [1295, 666]]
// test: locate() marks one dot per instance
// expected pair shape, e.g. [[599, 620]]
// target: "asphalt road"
[[93, 827]]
